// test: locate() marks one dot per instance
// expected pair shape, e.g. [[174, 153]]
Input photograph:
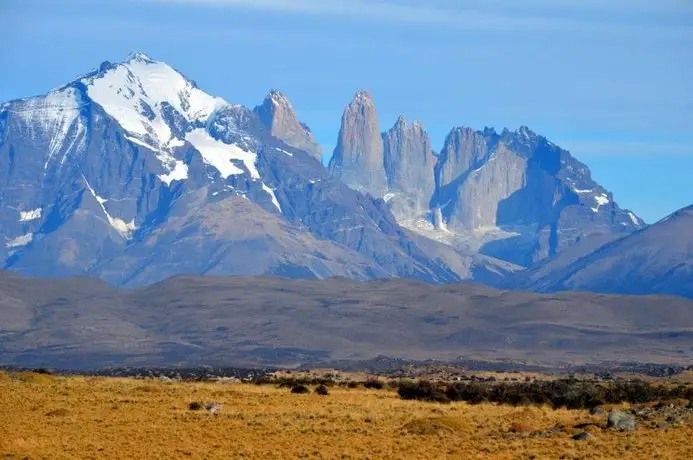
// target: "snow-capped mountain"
[[132, 173]]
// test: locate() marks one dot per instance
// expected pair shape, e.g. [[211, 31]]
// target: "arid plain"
[[45, 416]]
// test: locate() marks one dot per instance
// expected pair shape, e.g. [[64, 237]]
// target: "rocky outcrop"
[[409, 165], [358, 158], [278, 114]]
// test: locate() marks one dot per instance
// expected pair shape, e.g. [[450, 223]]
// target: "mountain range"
[[83, 323], [132, 174]]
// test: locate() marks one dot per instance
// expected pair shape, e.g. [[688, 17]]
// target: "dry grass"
[[55, 417]]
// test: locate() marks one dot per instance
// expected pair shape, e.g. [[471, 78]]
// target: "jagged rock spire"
[[358, 157], [409, 164], [278, 114]]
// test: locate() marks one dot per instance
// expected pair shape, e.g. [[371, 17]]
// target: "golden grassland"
[[44, 416]]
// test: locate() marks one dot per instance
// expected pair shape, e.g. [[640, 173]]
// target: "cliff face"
[[358, 158], [409, 165]]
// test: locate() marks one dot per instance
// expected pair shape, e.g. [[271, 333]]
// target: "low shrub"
[[300, 389], [195, 405], [374, 384], [322, 390], [422, 391], [290, 382]]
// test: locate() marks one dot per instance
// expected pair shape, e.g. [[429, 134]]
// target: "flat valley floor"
[[43, 416]]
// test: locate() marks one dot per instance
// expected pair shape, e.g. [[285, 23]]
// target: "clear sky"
[[612, 81]]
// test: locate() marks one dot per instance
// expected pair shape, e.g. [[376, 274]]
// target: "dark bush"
[[290, 382], [352, 385], [374, 384], [570, 393], [300, 389], [195, 405], [322, 390], [422, 391]]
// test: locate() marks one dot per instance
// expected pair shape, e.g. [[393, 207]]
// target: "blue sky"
[[610, 81]]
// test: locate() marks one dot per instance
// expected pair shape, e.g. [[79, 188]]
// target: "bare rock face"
[[474, 174], [278, 114], [358, 158], [464, 150], [409, 166], [475, 202]]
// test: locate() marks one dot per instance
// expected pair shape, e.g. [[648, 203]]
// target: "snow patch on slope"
[[220, 155], [124, 228], [272, 195], [633, 218], [176, 169], [601, 200], [20, 241], [55, 115], [27, 216], [284, 151], [179, 171]]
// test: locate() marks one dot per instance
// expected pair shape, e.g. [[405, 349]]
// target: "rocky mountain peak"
[[139, 56], [278, 98], [362, 97], [409, 166], [278, 114], [358, 157]]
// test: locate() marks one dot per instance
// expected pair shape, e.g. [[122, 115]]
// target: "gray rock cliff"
[[409, 165], [358, 158]]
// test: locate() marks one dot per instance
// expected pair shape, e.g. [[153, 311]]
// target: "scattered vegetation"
[[374, 384], [423, 390], [110, 418], [565, 393], [290, 382]]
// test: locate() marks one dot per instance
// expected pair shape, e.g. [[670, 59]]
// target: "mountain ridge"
[[262, 321], [134, 151], [655, 260], [488, 186]]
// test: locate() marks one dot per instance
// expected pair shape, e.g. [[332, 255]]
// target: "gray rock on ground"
[[621, 421], [582, 436]]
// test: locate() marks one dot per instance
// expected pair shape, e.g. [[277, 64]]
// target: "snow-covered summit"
[[139, 94]]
